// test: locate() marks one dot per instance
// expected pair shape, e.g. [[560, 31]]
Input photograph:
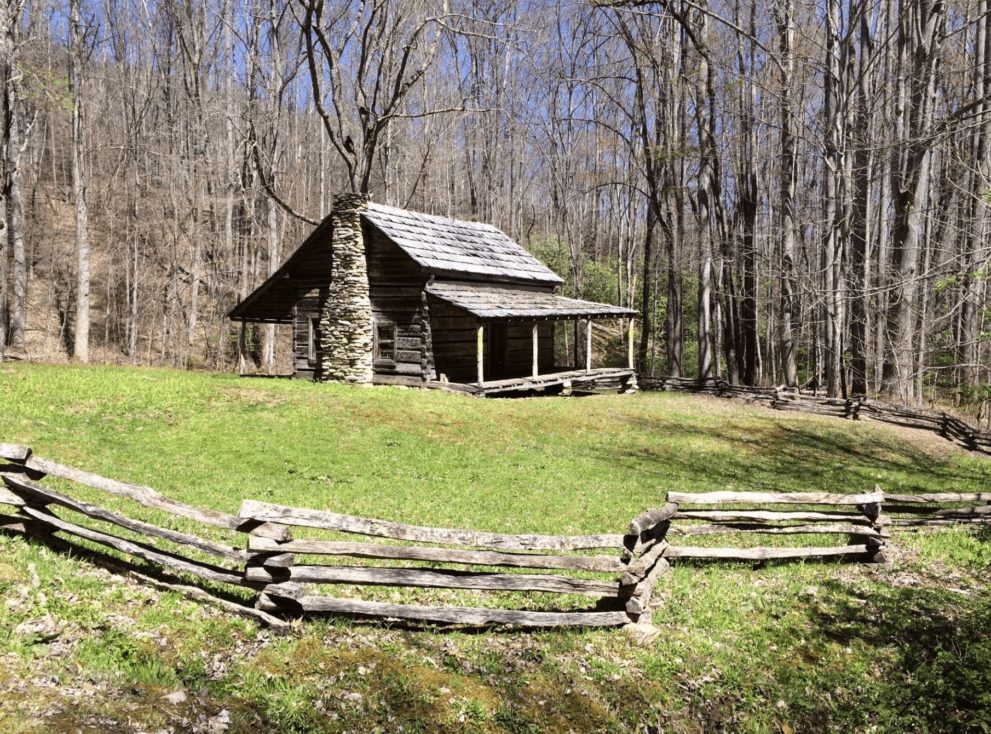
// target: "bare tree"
[[392, 45], [920, 33], [784, 17], [78, 54]]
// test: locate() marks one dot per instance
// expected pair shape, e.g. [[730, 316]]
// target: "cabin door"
[[496, 352]]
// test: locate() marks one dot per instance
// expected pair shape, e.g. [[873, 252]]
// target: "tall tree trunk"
[[861, 215], [80, 341], [6, 69], [728, 308], [786, 35], [975, 229], [707, 204], [12, 183], [673, 325], [833, 215], [675, 203], [748, 203], [919, 34], [646, 316]]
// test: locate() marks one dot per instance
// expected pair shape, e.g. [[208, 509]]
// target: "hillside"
[[813, 647]]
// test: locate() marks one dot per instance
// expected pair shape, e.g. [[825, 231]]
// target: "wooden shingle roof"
[[455, 247], [491, 301], [440, 246]]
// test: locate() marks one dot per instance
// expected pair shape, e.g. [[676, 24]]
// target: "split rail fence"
[[289, 575], [854, 408]]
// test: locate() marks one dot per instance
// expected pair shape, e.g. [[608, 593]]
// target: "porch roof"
[[490, 301]]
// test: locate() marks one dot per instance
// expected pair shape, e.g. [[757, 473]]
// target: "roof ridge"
[[436, 218]]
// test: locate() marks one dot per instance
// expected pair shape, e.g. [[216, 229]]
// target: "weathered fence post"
[[875, 543], [644, 556], [23, 521], [269, 571]]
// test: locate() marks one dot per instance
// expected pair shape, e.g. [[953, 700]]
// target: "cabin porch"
[[498, 339], [539, 373], [620, 379]]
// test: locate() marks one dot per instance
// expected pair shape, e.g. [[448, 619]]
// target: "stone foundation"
[[346, 320]]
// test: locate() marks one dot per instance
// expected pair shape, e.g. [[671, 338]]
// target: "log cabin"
[[383, 295]]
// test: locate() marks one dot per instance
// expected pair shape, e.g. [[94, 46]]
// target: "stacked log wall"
[[396, 286]]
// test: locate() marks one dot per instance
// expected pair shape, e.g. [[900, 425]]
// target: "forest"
[[788, 192]]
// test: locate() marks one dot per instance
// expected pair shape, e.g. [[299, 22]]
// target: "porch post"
[[588, 345], [536, 349], [629, 346], [480, 353], [240, 350]]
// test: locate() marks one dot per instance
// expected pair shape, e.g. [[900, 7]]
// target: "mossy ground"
[[779, 648]]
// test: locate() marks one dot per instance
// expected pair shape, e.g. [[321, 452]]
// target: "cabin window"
[[312, 338], [384, 347]]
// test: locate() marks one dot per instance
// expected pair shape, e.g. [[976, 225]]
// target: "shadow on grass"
[[930, 666], [228, 598], [114, 564], [789, 455]]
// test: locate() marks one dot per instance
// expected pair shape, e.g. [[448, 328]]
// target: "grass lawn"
[[781, 648]]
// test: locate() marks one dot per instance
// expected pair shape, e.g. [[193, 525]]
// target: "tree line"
[[789, 192]]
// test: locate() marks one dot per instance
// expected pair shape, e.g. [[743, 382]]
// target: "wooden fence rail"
[[854, 408], [285, 578], [857, 517], [43, 511], [620, 572]]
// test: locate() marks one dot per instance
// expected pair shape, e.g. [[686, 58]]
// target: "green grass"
[[804, 647]]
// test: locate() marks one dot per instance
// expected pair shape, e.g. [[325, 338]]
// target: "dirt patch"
[[251, 397]]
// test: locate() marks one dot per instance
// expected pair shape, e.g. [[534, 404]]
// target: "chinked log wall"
[[855, 408], [620, 571]]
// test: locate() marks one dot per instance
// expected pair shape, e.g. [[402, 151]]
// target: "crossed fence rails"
[[289, 575]]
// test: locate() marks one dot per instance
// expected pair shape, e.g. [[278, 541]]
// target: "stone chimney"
[[346, 320]]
